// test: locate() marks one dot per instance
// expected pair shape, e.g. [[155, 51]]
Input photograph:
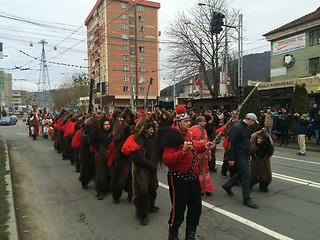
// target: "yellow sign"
[[312, 84]]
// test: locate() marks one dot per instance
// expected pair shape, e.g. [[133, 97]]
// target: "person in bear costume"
[[261, 150], [86, 154], [121, 178], [138, 148], [99, 137]]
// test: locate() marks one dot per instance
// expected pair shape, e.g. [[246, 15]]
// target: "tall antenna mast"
[[44, 83]]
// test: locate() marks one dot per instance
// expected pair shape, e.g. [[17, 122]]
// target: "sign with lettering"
[[289, 44], [280, 84]]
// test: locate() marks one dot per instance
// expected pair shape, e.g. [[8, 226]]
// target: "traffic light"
[[216, 22], [151, 81]]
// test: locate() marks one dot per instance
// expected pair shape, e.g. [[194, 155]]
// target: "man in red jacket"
[[179, 154]]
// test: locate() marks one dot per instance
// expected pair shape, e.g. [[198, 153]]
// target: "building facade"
[[5, 89], [123, 53], [295, 58]]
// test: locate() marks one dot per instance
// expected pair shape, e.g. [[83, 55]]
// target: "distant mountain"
[[255, 67]]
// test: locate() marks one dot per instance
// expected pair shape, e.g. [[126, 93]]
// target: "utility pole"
[[202, 70], [44, 83]]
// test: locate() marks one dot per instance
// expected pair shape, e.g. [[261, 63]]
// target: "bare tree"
[[194, 49], [69, 92]]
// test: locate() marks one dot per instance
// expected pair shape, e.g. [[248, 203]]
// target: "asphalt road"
[[50, 203]]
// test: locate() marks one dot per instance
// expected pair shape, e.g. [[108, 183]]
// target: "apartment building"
[[123, 54]]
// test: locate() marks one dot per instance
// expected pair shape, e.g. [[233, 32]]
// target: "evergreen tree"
[[300, 100], [252, 104]]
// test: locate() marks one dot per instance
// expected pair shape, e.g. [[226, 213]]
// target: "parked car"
[[14, 119], [6, 121]]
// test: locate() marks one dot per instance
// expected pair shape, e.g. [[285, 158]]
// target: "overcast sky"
[[56, 20]]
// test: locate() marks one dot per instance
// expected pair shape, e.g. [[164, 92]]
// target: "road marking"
[[291, 179], [296, 180], [296, 160], [25, 134], [242, 220]]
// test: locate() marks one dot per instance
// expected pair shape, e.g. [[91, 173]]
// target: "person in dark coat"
[[284, 120], [316, 126], [238, 152]]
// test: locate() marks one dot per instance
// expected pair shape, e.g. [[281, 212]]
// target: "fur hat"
[[181, 113], [200, 119]]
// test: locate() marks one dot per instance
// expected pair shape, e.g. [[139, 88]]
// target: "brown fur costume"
[[144, 172], [65, 153], [80, 122], [260, 164], [86, 158], [100, 141], [121, 166]]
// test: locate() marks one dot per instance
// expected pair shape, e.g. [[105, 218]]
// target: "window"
[[141, 89], [125, 58], [125, 37], [125, 88], [315, 37], [140, 28], [141, 80], [314, 65], [103, 88], [142, 69], [140, 9], [124, 16], [123, 5], [125, 78], [141, 39], [126, 68], [141, 49], [124, 27], [125, 47], [141, 59], [141, 18]]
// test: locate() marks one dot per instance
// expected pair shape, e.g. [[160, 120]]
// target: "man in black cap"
[[239, 152]]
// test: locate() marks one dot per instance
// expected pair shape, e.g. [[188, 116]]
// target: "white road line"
[[25, 134], [240, 219], [296, 160], [291, 179], [296, 180]]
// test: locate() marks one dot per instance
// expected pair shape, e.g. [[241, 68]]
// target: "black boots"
[[173, 234], [191, 235], [34, 137], [191, 232]]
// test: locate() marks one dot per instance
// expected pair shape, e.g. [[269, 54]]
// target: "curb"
[[11, 223]]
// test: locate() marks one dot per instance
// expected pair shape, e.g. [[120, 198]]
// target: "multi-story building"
[[123, 53], [23, 100], [295, 59], [5, 89]]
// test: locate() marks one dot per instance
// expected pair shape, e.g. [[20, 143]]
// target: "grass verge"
[[4, 206]]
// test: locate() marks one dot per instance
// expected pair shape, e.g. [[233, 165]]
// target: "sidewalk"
[[293, 144], [12, 223]]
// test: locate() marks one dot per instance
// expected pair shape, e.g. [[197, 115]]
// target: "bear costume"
[[138, 148], [121, 178], [261, 150]]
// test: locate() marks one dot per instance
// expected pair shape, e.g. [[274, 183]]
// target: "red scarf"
[[129, 146]]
